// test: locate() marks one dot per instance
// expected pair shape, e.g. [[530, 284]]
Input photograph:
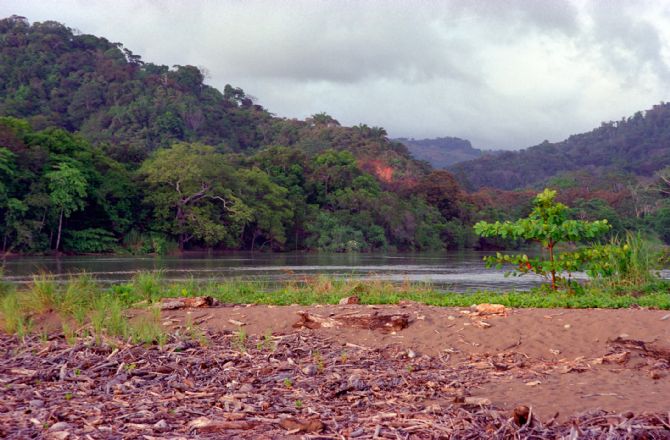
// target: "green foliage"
[[190, 190], [149, 243], [328, 234], [91, 240], [629, 262], [147, 285], [42, 295], [14, 317], [660, 223], [548, 224], [68, 188]]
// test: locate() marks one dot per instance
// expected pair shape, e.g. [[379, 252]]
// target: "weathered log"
[[184, 303], [490, 309], [367, 321], [647, 348], [206, 426], [296, 425]]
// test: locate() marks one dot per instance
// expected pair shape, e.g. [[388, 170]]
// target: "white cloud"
[[501, 73]]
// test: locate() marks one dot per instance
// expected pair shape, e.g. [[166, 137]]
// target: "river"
[[454, 271]]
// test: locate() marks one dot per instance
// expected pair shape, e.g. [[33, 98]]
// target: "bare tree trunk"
[[180, 222], [553, 268], [60, 227]]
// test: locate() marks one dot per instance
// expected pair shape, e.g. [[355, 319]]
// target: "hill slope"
[[101, 150], [51, 76], [639, 145], [441, 152]]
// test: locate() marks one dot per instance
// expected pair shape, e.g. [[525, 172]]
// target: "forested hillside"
[[639, 145], [53, 77], [441, 152], [100, 150]]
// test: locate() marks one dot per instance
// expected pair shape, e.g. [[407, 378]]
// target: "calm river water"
[[455, 271]]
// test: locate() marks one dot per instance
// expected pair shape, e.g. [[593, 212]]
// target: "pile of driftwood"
[[302, 385]]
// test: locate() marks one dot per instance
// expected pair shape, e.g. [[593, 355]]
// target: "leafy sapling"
[[549, 224]]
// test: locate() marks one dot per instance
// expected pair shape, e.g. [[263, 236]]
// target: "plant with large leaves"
[[549, 224]]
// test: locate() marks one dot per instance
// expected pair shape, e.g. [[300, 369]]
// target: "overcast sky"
[[504, 74]]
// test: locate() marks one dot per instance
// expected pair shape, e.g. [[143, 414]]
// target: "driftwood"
[[296, 425], [490, 309], [350, 300], [646, 348], [204, 425], [187, 303], [384, 322]]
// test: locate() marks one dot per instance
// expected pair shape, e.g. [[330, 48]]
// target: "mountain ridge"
[[639, 144], [441, 152]]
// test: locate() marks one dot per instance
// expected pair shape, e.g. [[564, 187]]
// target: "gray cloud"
[[502, 73]]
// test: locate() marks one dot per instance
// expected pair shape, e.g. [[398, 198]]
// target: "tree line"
[[58, 192]]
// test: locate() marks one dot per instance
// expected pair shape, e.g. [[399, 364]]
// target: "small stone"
[[161, 426], [655, 375], [567, 326], [309, 370], [554, 351], [451, 317], [60, 426], [476, 401], [533, 383], [411, 354], [36, 403], [356, 383], [246, 388]]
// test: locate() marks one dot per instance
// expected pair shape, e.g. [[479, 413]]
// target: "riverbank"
[[82, 306], [255, 371]]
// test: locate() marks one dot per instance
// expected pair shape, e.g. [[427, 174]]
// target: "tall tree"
[[190, 188], [68, 190]]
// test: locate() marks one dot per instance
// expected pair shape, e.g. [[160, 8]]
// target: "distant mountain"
[[639, 145], [441, 152]]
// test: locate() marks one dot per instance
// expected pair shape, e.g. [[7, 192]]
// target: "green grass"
[[147, 285], [42, 296], [147, 329], [634, 265]]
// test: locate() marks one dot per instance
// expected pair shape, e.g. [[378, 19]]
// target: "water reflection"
[[456, 271]]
